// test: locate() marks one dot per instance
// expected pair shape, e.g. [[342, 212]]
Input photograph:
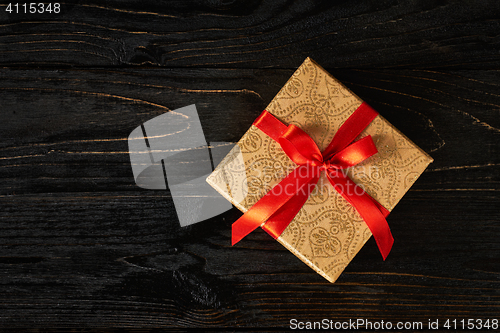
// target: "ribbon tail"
[[382, 209], [280, 220], [272, 202], [370, 212]]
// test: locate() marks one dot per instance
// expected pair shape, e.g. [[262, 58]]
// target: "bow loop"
[[280, 205], [354, 154], [300, 147]]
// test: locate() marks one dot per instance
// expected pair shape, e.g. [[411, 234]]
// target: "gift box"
[[328, 229]]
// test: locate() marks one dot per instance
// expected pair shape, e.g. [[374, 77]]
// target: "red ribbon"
[[280, 205]]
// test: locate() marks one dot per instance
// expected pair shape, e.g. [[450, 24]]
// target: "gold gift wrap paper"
[[327, 232]]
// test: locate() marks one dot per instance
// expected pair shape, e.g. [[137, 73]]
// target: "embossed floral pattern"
[[327, 232]]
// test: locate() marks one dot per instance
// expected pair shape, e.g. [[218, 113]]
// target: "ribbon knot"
[[278, 207]]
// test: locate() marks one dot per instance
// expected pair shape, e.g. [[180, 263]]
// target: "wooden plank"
[[255, 34], [82, 246]]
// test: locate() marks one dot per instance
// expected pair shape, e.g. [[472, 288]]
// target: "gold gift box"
[[327, 232]]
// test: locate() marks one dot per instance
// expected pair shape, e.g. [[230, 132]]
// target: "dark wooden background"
[[82, 247]]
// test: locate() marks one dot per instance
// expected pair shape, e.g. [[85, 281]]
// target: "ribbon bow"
[[279, 206]]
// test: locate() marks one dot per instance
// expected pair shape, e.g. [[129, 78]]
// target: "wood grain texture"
[[256, 34], [82, 247]]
